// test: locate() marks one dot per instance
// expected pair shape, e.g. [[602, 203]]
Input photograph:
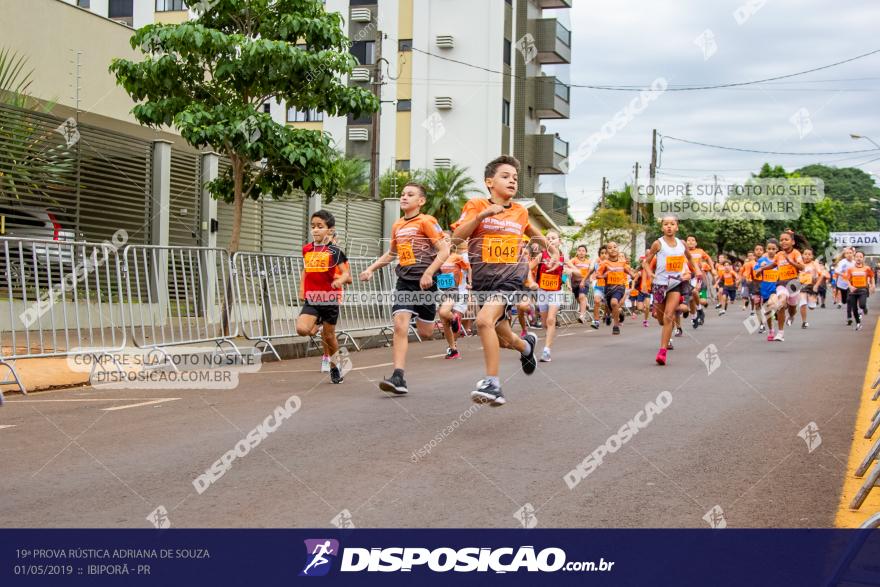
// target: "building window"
[[404, 105], [530, 171], [362, 2], [294, 115], [404, 45], [507, 50], [84, 3], [402, 165], [531, 112], [364, 119], [364, 51], [170, 5], [505, 113], [121, 9], [267, 108]]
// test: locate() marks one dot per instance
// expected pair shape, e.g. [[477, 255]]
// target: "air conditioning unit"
[[358, 134], [442, 163], [443, 102], [361, 15], [360, 74], [445, 41]]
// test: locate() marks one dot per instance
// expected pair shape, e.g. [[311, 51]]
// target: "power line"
[[630, 88], [743, 150]]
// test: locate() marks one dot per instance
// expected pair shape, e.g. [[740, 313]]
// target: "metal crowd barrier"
[[179, 296], [360, 313], [872, 479], [63, 298]]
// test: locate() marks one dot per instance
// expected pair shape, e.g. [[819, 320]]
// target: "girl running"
[[580, 268], [550, 296], [789, 262], [615, 271], [861, 280], [598, 287], [810, 278], [673, 269], [729, 280], [452, 309]]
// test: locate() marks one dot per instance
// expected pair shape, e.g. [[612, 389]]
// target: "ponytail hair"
[[800, 241]]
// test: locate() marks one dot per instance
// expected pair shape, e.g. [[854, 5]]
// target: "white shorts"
[[794, 299], [550, 298]]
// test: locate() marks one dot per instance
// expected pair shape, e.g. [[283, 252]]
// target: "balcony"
[[554, 3], [550, 154], [553, 41], [555, 206], [551, 98]]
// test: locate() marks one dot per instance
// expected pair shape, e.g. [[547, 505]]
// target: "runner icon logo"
[[710, 358], [343, 520], [526, 516], [810, 434], [715, 518], [320, 553]]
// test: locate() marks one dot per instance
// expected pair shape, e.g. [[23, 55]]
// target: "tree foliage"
[[210, 77]]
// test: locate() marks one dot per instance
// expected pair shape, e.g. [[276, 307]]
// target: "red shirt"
[[320, 267]]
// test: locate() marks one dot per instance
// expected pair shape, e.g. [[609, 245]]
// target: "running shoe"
[[696, 323], [805, 325], [849, 321], [394, 384], [722, 312], [670, 346], [325, 364], [452, 354], [523, 334], [545, 356], [335, 375], [858, 325], [839, 306], [823, 306], [761, 329], [779, 337], [865, 312], [607, 319], [595, 325], [770, 335], [686, 314], [488, 393], [717, 306], [528, 361], [788, 321], [661, 357], [581, 318], [752, 313], [645, 323], [679, 332], [615, 330]]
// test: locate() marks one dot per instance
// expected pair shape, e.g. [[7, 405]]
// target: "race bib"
[[859, 281], [616, 278], [549, 282], [787, 272], [317, 262], [446, 281], [584, 272], [806, 278], [405, 255], [675, 264], [728, 281], [501, 249], [770, 275]]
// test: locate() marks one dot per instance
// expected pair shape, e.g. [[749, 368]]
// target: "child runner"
[[673, 269], [614, 271], [495, 226], [767, 289], [698, 258], [729, 280], [452, 275], [580, 272], [644, 283], [598, 287], [810, 278], [842, 294], [417, 243], [747, 277], [550, 295], [861, 280], [325, 272]]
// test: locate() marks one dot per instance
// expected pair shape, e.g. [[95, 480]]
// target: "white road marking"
[[372, 366], [435, 356], [2, 426], [91, 399], [149, 403]]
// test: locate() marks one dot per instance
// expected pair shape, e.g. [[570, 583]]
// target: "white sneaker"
[[788, 322], [722, 312], [858, 325], [325, 364], [545, 356], [779, 337]]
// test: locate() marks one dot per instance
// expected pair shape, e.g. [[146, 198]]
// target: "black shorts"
[[730, 292], [614, 293], [325, 313], [426, 312]]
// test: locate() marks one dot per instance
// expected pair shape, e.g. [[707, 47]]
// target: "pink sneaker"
[[523, 334], [661, 357], [645, 323], [770, 335]]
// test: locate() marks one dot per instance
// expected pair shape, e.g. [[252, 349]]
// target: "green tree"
[[354, 179], [393, 180], [210, 77], [448, 191]]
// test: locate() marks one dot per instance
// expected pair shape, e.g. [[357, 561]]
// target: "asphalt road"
[[726, 439]]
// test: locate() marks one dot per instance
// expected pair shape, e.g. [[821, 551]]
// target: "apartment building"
[[460, 82]]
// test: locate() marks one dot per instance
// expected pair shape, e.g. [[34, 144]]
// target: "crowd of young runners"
[[493, 257]]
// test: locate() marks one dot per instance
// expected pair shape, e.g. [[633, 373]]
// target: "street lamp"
[[856, 137]]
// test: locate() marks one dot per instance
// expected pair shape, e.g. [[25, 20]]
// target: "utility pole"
[[377, 116], [652, 170], [602, 206], [634, 213]]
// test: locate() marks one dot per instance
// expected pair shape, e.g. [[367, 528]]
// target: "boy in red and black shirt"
[[325, 271]]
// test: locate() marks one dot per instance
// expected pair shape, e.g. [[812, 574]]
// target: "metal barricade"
[[367, 304], [179, 296], [872, 479], [63, 298]]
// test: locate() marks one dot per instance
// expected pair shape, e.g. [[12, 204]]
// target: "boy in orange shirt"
[[418, 245], [861, 281], [614, 271], [495, 227], [452, 275]]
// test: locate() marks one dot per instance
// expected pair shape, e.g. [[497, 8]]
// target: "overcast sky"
[[634, 42]]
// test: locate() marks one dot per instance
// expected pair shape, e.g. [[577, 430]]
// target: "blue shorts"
[[642, 296]]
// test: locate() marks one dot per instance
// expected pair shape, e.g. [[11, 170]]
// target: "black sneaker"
[[452, 354], [679, 332], [685, 315], [607, 319], [488, 393], [594, 325], [335, 375], [528, 361], [823, 306], [696, 323], [394, 384], [615, 330], [849, 322], [805, 325]]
